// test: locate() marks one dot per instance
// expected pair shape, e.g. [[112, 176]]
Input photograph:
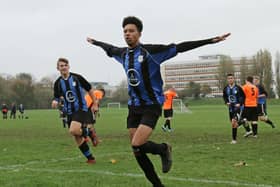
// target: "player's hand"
[[237, 105], [90, 40], [228, 104], [220, 38], [94, 108], [54, 104]]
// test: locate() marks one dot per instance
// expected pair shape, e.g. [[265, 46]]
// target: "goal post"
[[114, 105], [179, 106]]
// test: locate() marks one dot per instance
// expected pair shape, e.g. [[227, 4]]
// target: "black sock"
[[147, 166], [85, 131], [167, 123], [64, 123], [234, 133], [152, 147], [85, 150], [268, 121], [247, 128], [255, 129]]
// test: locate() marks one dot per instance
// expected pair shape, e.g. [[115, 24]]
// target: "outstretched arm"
[[108, 48], [221, 38], [185, 46]]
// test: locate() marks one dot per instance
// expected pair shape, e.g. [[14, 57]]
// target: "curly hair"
[[133, 20]]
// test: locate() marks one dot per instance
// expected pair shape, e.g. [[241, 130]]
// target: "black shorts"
[[146, 115], [168, 113], [91, 117], [233, 114], [261, 110], [79, 116], [250, 113]]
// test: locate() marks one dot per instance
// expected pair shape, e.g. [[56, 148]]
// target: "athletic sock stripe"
[[87, 153]]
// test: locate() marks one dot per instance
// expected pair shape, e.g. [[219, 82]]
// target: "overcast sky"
[[35, 33]]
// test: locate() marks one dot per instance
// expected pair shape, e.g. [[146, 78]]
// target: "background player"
[[21, 111], [5, 110], [99, 94], [262, 113], [169, 95], [250, 109], [142, 66], [63, 113], [13, 111], [233, 96]]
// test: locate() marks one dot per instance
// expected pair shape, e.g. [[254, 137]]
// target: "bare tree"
[[277, 73], [243, 70], [225, 67], [262, 66]]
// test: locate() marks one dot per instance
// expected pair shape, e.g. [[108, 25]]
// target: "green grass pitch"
[[38, 152]]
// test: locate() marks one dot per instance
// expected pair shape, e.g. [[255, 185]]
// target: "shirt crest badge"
[[140, 58]]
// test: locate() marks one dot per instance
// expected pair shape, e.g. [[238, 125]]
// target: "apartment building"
[[202, 71]]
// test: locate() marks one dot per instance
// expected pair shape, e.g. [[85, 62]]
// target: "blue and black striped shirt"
[[233, 95], [72, 90]]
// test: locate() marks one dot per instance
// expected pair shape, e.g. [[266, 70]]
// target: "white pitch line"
[[207, 181], [19, 167], [135, 175]]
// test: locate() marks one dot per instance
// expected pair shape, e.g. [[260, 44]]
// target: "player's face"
[[255, 81], [230, 80], [131, 35], [63, 68]]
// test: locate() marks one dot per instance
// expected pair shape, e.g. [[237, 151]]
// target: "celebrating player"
[[141, 63], [71, 87]]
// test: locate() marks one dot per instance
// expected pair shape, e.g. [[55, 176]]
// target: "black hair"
[[230, 74], [133, 20], [102, 90], [63, 60], [250, 79]]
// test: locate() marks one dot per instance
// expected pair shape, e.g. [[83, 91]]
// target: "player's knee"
[[136, 150], [262, 118], [234, 125], [74, 131], [135, 143]]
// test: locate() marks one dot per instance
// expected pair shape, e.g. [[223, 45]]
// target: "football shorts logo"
[[70, 96], [133, 77]]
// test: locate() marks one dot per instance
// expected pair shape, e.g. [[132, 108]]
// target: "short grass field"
[[39, 152]]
